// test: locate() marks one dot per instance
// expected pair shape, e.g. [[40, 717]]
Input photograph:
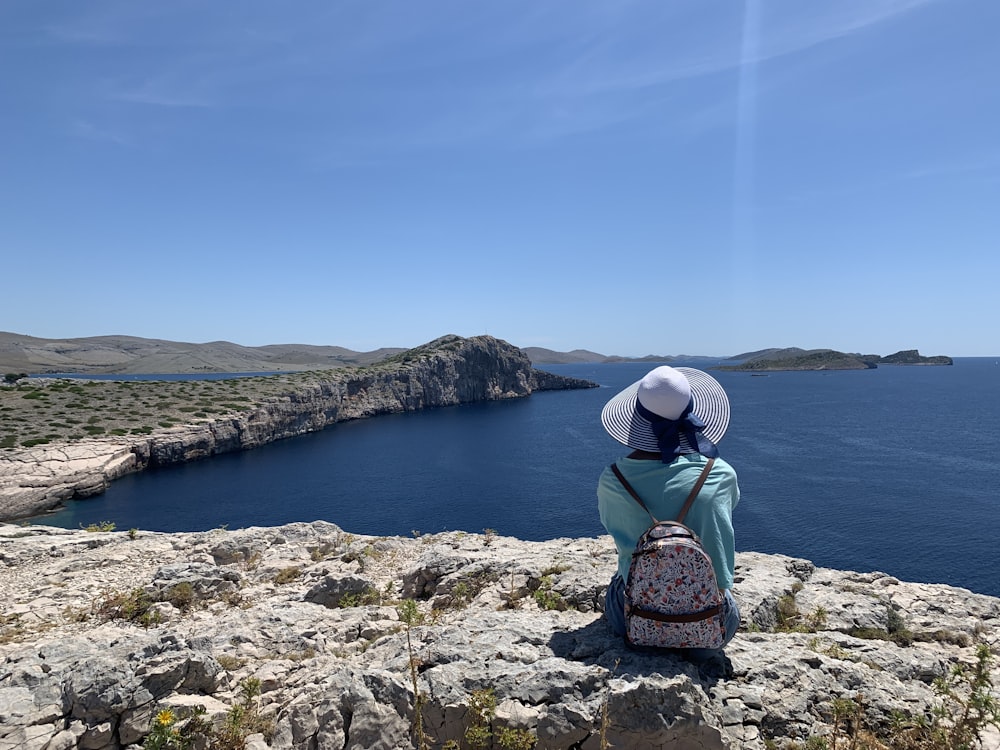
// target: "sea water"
[[895, 469]]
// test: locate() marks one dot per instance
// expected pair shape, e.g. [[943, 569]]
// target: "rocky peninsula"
[[308, 636], [136, 425]]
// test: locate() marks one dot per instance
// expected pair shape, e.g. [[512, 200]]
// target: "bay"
[[895, 469]]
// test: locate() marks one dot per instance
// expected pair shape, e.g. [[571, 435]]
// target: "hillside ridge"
[[132, 355]]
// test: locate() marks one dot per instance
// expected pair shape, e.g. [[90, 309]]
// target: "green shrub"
[[133, 606], [287, 575], [181, 595], [165, 734], [100, 526], [230, 663], [361, 599], [967, 707], [547, 598], [243, 719]]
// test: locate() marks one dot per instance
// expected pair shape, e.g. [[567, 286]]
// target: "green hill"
[[798, 359], [912, 357]]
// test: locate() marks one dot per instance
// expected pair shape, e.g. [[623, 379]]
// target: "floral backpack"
[[672, 599]]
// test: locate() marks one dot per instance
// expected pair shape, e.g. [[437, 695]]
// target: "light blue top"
[[664, 488]]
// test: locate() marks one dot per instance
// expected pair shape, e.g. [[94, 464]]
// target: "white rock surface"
[[263, 603]]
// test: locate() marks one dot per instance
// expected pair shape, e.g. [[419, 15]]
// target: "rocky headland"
[[252, 412], [308, 636]]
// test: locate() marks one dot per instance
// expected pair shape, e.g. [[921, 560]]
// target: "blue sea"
[[895, 469]]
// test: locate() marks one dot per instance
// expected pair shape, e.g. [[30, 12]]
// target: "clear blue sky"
[[683, 177]]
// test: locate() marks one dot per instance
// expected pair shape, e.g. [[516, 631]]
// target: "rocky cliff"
[[446, 372], [306, 636]]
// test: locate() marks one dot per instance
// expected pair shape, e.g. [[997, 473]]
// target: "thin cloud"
[[79, 35], [784, 31], [89, 131], [569, 68], [985, 163], [160, 99]]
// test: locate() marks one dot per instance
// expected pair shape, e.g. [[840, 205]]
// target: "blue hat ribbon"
[[668, 432]]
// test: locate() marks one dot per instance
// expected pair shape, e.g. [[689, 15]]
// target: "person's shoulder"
[[606, 469], [722, 473], [607, 475], [724, 478], [723, 466]]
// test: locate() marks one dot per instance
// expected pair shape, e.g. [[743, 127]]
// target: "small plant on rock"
[[546, 597], [605, 711], [11, 628], [479, 732], [287, 575], [100, 526], [164, 733], [133, 606], [482, 707], [172, 731], [364, 598], [243, 719], [181, 595], [411, 616], [516, 739], [966, 709], [229, 662], [848, 720]]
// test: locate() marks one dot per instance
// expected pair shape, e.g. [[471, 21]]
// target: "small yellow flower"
[[165, 717]]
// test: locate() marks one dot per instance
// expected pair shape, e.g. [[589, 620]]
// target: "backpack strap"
[[696, 489], [687, 503], [632, 492]]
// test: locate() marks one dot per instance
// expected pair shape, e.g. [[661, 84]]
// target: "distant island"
[[912, 357], [777, 360], [130, 355], [540, 356]]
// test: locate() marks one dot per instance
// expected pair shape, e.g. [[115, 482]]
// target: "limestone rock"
[[520, 621]]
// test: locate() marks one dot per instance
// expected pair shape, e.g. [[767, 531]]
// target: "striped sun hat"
[[667, 391]]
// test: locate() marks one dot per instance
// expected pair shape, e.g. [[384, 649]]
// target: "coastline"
[[448, 372]]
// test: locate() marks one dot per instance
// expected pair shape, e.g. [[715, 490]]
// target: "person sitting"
[[673, 419]]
